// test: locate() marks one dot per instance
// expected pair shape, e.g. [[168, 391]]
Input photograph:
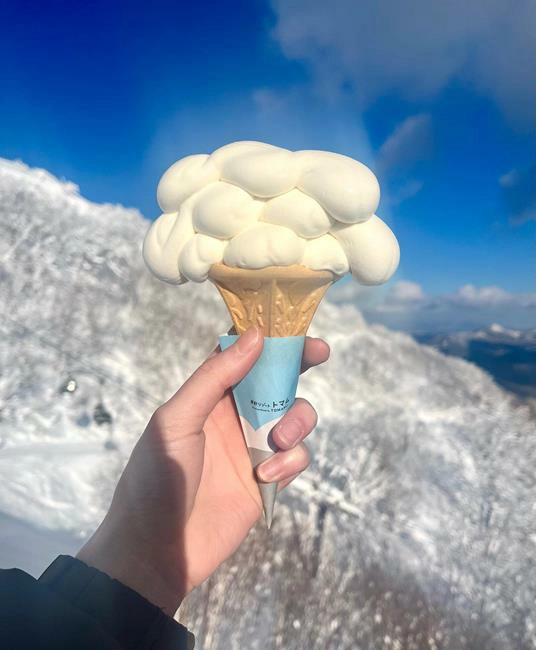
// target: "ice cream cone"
[[281, 301], [252, 204]]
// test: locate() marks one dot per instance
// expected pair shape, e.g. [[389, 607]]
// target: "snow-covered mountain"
[[509, 355], [415, 526]]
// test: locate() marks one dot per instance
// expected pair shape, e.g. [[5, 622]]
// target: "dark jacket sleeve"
[[75, 606]]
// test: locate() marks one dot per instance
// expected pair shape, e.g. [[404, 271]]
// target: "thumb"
[[185, 413]]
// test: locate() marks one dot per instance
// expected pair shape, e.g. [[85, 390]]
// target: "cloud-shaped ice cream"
[[252, 205]]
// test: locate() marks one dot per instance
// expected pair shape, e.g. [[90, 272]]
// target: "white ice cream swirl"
[[252, 205]]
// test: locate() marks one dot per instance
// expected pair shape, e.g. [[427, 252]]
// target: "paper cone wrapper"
[[262, 398]]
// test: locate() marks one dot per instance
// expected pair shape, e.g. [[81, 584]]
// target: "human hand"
[[187, 497]]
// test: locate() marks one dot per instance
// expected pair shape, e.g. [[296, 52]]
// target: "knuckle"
[[163, 420], [160, 417], [305, 455], [309, 409], [313, 415], [211, 372], [167, 424], [159, 424]]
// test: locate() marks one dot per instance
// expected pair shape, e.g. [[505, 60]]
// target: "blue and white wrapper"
[[263, 396]]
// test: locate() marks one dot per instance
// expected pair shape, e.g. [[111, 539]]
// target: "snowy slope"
[[413, 529]]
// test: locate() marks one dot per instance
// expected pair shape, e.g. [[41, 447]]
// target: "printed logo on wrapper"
[[267, 392]]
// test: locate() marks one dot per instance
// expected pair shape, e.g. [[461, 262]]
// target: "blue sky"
[[438, 99]]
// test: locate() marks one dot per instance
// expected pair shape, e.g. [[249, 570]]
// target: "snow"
[[412, 523]]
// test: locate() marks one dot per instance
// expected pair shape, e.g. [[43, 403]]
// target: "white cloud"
[[416, 47], [410, 142], [510, 179], [405, 305], [519, 194], [477, 297], [405, 291], [271, 101], [490, 297], [403, 192]]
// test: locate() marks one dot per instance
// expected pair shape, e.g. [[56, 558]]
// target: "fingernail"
[[270, 470], [289, 432], [248, 340]]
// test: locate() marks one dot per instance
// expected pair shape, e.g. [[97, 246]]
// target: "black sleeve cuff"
[[123, 613]]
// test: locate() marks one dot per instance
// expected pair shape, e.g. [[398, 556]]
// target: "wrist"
[[109, 552]]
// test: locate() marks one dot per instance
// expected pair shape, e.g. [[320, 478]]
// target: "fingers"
[[295, 425], [315, 352], [199, 395], [193, 402], [284, 464], [283, 484]]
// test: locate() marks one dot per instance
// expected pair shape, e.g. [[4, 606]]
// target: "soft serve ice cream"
[[272, 229], [252, 205]]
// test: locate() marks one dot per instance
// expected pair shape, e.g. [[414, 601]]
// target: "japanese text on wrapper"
[[271, 406]]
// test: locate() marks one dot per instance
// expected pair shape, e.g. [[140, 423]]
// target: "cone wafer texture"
[[280, 301]]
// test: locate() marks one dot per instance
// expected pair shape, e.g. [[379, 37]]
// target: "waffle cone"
[[279, 300]]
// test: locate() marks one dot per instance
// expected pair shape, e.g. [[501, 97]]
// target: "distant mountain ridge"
[[509, 355], [413, 528]]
